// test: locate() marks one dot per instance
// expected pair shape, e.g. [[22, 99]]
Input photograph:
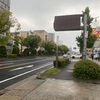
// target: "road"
[[16, 70]]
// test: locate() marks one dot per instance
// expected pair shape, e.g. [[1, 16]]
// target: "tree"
[[15, 50], [91, 39], [6, 22], [32, 42], [63, 49], [49, 46], [3, 40], [18, 41]]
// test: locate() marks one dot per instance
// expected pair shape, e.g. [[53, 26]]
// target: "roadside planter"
[[62, 62], [86, 69]]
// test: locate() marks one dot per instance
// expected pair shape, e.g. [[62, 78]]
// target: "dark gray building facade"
[[5, 4]]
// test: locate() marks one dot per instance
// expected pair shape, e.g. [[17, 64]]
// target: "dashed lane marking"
[[22, 67]]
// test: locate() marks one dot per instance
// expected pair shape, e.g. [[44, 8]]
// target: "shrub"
[[40, 52], [86, 69], [62, 62], [3, 51], [26, 52], [15, 50], [11, 55]]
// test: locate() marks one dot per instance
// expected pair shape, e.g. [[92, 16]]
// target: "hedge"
[[3, 51], [86, 69], [62, 62], [11, 55]]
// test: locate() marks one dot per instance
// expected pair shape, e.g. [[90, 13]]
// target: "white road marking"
[[25, 73], [21, 64], [21, 68]]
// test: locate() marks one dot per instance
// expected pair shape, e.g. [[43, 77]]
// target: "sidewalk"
[[52, 89]]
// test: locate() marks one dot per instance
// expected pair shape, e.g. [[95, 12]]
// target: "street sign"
[[67, 22]]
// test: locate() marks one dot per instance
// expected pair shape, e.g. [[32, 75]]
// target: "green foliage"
[[11, 55], [41, 52], [15, 50], [26, 52], [5, 22], [18, 40], [62, 62], [33, 52], [48, 72], [91, 39], [63, 49], [32, 43], [86, 69], [3, 40], [49, 47], [3, 51], [52, 71]]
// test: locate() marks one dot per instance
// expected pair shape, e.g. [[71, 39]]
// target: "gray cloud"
[[39, 14]]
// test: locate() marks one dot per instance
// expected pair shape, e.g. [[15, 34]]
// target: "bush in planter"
[[62, 62], [3, 51], [40, 52], [11, 55], [15, 50], [26, 52], [86, 69]]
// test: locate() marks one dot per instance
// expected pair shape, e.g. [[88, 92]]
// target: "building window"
[[45, 37]]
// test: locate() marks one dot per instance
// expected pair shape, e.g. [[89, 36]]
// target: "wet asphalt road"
[[12, 71]]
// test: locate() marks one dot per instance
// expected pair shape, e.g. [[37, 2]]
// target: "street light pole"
[[57, 41], [85, 37]]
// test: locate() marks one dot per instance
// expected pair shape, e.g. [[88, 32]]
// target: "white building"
[[51, 37]]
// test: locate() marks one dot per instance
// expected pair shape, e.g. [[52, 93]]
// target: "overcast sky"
[[39, 15]]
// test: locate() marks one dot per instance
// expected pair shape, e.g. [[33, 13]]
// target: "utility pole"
[[85, 35], [57, 41]]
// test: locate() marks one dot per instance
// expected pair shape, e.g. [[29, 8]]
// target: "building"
[[5, 4], [24, 34], [42, 33], [97, 45], [51, 37]]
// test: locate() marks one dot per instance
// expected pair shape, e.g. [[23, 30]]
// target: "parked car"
[[76, 56], [66, 55], [97, 56]]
